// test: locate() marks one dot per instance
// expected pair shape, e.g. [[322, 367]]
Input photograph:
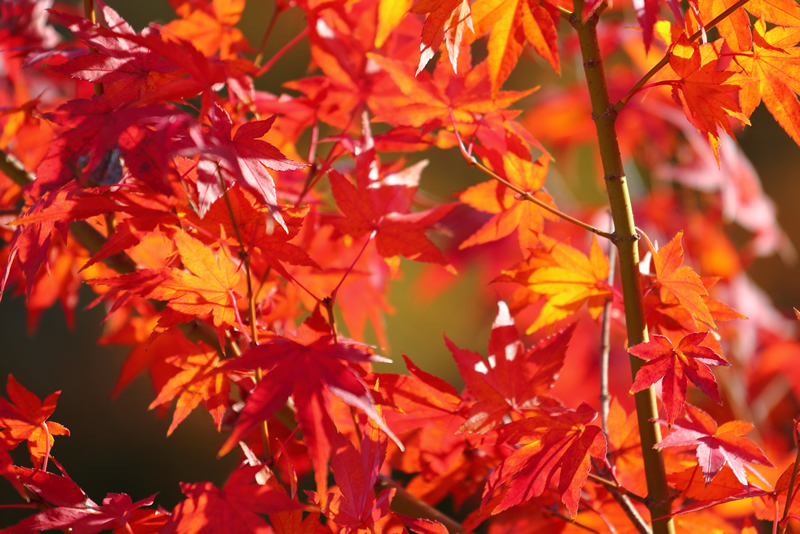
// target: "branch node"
[[618, 238], [613, 177], [590, 63]]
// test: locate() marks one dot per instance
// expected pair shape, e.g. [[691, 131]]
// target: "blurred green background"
[[120, 446]]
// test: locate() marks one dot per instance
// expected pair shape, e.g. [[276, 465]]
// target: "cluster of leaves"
[[223, 226]]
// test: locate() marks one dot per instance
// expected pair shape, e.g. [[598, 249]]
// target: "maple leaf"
[[773, 65], [510, 212], [446, 21], [196, 381], [688, 361], [427, 413], [572, 281], [26, 419], [234, 508], [438, 97], [681, 282], [307, 368], [252, 222], [548, 442], [513, 23], [353, 504], [242, 158], [513, 378], [72, 510], [206, 286], [210, 26], [380, 208], [716, 447], [706, 94]]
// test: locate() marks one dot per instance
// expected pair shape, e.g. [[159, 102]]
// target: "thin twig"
[[790, 494], [623, 498], [616, 108], [605, 346], [251, 304], [524, 195]]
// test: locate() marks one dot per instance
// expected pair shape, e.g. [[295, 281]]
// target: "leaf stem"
[[264, 40], [626, 240], [524, 195], [663, 62], [279, 54]]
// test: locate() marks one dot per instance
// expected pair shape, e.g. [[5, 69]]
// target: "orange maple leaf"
[[706, 94], [196, 381], [571, 282], [774, 65], [206, 286], [680, 282], [513, 23], [446, 22], [210, 26], [511, 213], [26, 419]]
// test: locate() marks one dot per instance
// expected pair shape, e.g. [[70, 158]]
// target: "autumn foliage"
[[243, 245]]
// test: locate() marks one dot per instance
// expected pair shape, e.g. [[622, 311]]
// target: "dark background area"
[[120, 446]]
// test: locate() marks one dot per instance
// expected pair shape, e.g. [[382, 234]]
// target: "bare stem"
[[626, 240]]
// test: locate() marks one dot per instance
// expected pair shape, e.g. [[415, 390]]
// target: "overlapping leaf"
[[514, 23], [547, 443], [706, 94], [206, 286], [681, 282], [308, 368], [774, 63], [512, 379], [26, 420], [716, 447], [235, 508], [677, 366]]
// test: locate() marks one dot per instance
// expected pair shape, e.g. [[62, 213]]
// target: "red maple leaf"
[[513, 378], [26, 419], [235, 508], [242, 158], [353, 504], [688, 361], [716, 447], [308, 367], [72, 510], [546, 443], [427, 412]]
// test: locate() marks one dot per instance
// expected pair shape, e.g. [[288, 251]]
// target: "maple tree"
[[243, 245]]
